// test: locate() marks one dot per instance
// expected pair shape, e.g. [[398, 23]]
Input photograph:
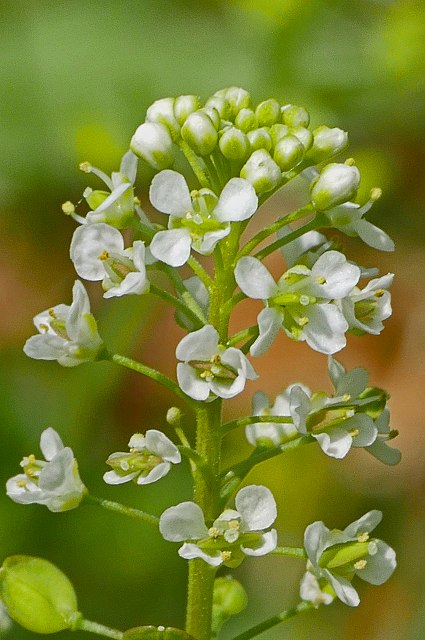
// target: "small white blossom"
[[270, 433], [337, 556], [149, 459], [209, 369], [97, 251], [197, 219], [337, 183], [234, 534], [301, 302], [54, 482], [366, 309], [67, 334], [314, 592]]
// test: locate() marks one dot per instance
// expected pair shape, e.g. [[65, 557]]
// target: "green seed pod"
[[260, 139], [288, 152], [234, 144], [199, 132], [295, 116], [152, 142], [246, 120], [277, 132], [268, 113], [156, 633], [304, 135], [327, 143], [184, 106], [37, 595], [261, 171]]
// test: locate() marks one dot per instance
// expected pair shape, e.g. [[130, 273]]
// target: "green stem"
[[199, 270], [94, 627], [195, 163], [187, 297], [122, 509], [178, 304], [310, 226], [243, 422], [272, 228], [153, 374], [240, 336], [290, 552], [275, 620]]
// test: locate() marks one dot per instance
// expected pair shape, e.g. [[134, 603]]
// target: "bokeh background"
[[75, 79]]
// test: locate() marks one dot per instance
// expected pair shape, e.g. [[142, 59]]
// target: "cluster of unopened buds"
[[239, 155]]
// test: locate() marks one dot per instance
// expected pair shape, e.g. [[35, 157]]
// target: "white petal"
[[198, 345], [210, 240], [367, 429], [111, 477], [381, 451], [257, 507], [325, 329], [135, 283], [373, 236], [128, 166], [336, 371], [269, 323], [172, 246], [45, 347], [336, 443], [293, 250], [80, 306], [353, 382], [185, 521], [343, 589], [155, 474], [310, 590], [87, 245], [191, 383], [93, 216], [316, 537], [340, 276], [50, 443], [268, 544], [54, 475], [238, 201], [157, 442], [299, 407], [380, 566], [170, 194], [189, 551], [254, 279], [366, 523]]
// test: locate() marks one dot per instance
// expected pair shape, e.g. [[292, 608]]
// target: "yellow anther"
[[29, 472], [233, 524], [133, 450], [44, 327], [350, 162], [226, 555], [346, 397], [213, 532], [85, 166], [375, 193], [363, 536], [206, 375], [303, 321], [216, 359], [321, 280], [31, 458], [354, 433], [22, 483], [137, 201], [188, 216], [360, 564], [379, 293], [104, 255], [68, 208]]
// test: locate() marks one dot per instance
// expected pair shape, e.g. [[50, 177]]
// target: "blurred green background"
[[75, 81]]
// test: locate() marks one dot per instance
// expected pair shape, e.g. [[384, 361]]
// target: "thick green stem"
[[122, 509], [99, 629], [281, 242], [275, 620]]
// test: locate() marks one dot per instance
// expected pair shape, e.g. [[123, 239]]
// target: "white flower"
[[54, 482], [149, 459], [67, 334], [233, 534], [270, 433], [115, 206], [97, 251], [315, 592], [337, 556], [366, 309], [197, 219], [208, 368], [301, 301]]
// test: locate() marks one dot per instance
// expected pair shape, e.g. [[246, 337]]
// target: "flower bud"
[[295, 116], [199, 132], [234, 144], [304, 136], [37, 595], [162, 111], [221, 104], [152, 142], [174, 416], [184, 106], [237, 98], [260, 139], [336, 184], [288, 152], [327, 143], [156, 633], [277, 132], [214, 116], [261, 171], [268, 113], [246, 120], [229, 599]]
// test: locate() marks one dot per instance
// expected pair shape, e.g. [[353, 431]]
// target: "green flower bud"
[[174, 416], [156, 633], [277, 132], [246, 120], [268, 113], [221, 104], [37, 595], [288, 152], [237, 98], [152, 142], [327, 143], [261, 171], [260, 139], [234, 144], [162, 111], [336, 184], [295, 116], [214, 116], [304, 136], [199, 132], [184, 106], [229, 599]]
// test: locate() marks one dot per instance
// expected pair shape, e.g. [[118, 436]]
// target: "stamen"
[[22, 483], [86, 167], [363, 536], [234, 524], [321, 280], [303, 321], [103, 256], [68, 208], [354, 433], [226, 555], [360, 564], [213, 532]]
